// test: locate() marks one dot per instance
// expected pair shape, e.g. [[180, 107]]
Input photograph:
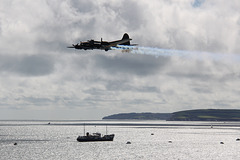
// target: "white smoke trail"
[[157, 52]]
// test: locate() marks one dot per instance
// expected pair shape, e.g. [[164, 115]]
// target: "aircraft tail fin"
[[125, 36]]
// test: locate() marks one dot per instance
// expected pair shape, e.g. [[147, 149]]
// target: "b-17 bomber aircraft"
[[103, 45]]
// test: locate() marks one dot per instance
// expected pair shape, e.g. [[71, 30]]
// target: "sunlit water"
[[170, 140]]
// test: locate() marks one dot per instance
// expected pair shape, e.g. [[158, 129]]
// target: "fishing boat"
[[95, 137]]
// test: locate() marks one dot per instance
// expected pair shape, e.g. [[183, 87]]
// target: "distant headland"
[[188, 115]]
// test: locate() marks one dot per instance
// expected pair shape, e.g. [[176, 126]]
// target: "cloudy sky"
[[188, 57]]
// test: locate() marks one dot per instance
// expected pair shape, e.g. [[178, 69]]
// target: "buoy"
[[221, 143], [152, 133], [169, 141], [128, 142]]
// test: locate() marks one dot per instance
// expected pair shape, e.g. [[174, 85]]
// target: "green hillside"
[[207, 115], [189, 115], [140, 116]]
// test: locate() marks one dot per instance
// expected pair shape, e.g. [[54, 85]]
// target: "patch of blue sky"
[[197, 3]]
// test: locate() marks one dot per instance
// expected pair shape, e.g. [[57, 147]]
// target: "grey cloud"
[[138, 101], [101, 80], [0, 28], [175, 25], [36, 65], [191, 75], [83, 6], [204, 70], [121, 86], [141, 65], [95, 91], [27, 65], [133, 15], [37, 101], [117, 85], [202, 90], [223, 104]]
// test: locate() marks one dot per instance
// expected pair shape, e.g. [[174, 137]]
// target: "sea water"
[[149, 140]]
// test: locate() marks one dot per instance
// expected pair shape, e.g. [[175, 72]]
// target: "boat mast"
[[84, 129], [106, 129]]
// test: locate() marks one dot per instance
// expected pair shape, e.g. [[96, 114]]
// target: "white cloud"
[[40, 75]]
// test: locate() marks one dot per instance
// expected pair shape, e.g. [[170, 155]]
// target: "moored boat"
[[95, 137]]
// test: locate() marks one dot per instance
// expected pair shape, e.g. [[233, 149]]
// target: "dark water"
[[170, 140]]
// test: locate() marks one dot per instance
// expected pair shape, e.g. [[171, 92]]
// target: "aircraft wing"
[[115, 43]]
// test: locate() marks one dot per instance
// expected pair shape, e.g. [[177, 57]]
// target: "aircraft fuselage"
[[103, 45], [91, 44]]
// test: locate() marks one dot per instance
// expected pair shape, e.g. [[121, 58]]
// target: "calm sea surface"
[[170, 140]]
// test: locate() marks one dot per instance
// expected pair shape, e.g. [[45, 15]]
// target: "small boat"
[[95, 137]]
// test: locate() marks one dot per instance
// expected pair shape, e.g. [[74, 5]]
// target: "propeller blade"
[[73, 46]]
